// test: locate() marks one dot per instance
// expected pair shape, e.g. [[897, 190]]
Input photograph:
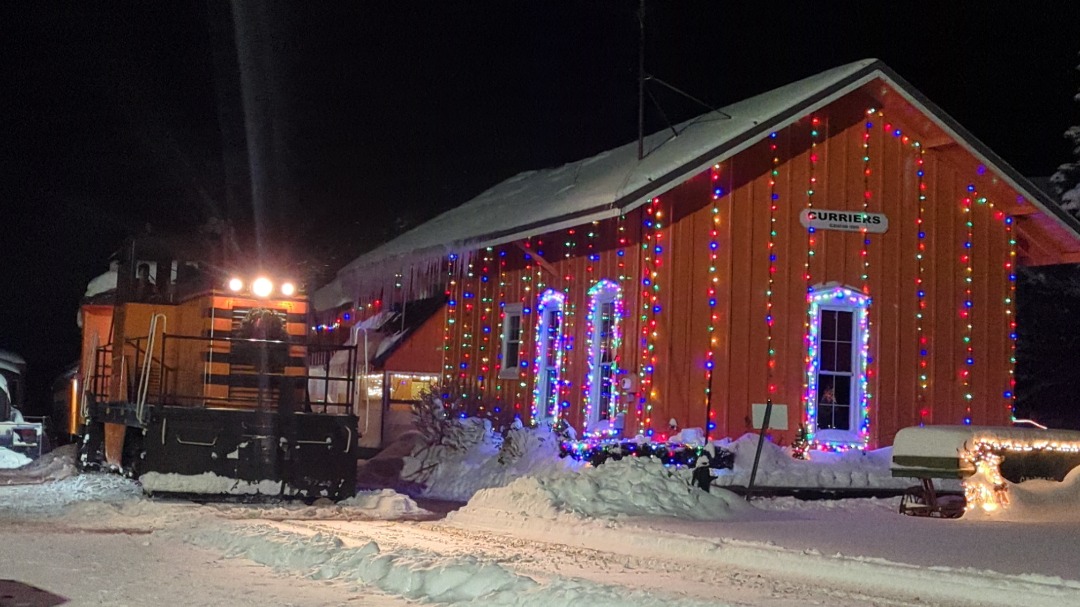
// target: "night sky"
[[365, 118]]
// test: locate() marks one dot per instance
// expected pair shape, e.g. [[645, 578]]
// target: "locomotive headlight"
[[236, 285], [262, 287], [288, 289]]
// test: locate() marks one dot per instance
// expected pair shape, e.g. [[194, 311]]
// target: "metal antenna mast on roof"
[[643, 78], [641, 82]]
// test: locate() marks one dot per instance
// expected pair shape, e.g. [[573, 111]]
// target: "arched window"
[[837, 396], [604, 335], [549, 351]]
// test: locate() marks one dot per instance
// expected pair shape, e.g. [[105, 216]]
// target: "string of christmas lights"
[[867, 194], [711, 292], [548, 343], [449, 326], [604, 291], [483, 343], [652, 249], [923, 364], [811, 242], [1010, 317], [770, 366], [860, 303], [968, 305]]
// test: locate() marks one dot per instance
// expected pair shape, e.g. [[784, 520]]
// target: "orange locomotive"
[[196, 382]]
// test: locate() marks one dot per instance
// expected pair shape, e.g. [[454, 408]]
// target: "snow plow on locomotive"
[[196, 382]]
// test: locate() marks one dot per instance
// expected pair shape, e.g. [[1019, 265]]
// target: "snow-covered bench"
[[993, 453]]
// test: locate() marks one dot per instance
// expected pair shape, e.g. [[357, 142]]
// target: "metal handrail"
[[212, 342], [144, 377]]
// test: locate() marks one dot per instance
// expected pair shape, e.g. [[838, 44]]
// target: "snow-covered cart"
[[983, 458]]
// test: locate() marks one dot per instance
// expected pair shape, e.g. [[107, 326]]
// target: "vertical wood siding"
[[741, 357]]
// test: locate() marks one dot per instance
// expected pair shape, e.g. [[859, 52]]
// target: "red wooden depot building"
[[839, 246]]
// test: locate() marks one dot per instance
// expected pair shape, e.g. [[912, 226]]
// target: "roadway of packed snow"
[[542, 530]]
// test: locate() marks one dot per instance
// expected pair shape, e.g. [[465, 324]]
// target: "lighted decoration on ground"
[[596, 452], [985, 489]]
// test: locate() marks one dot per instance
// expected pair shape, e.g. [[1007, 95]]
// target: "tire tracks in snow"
[[547, 561]]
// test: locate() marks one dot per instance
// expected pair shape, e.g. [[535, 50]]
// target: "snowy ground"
[[627, 532]]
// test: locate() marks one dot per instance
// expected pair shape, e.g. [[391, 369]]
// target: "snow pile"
[[418, 575], [1038, 500], [57, 464], [385, 504], [477, 460], [853, 507], [848, 470], [206, 483], [628, 487], [12, 459], [47, 500], [456, 472], [382, 505]]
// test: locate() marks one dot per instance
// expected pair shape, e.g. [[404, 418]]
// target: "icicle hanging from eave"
[[423, 272], [403, 278]]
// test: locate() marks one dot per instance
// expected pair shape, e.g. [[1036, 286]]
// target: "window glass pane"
[[826, 390], [842, 390], [511, 360], [828, 325], [844, 326], [828, 356], [551, 391], [843, 357], [515, 328]]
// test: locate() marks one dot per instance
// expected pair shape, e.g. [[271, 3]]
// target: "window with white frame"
[[512, 363], [837, 390], [549, 350], [604, 319]]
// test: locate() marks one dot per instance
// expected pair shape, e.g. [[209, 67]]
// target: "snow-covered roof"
[[12, 357], [616, 181]]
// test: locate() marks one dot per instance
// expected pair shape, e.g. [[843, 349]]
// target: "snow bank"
[[1038, 500], [10, 459], [57, 464], [206, 483], [54, 498], [418, 574], [827, 470], [628, 487], [383, 505], [457, 472]]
